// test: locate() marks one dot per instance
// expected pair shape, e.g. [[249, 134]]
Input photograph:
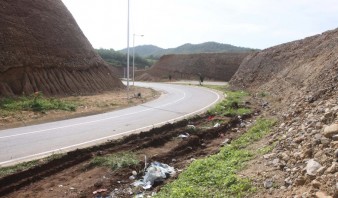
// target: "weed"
[[215, 176], [231, 105], [36, 102], [116, 161]]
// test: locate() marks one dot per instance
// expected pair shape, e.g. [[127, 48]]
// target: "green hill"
[[208, 47]]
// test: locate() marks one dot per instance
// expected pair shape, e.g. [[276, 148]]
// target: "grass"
[[116, 161], [215, 176], [4, 171], [231, 105], [36, 102]]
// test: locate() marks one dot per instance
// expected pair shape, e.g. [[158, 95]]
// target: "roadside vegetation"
[[116, 161], [215, 176], [232, 105], [119, 59], [36, 102]]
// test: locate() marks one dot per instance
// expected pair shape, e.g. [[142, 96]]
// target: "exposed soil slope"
[[299, 81], [215, 66], [308, 65], [43, 49]]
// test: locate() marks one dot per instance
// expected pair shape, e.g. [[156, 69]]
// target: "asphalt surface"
[[32, 142]]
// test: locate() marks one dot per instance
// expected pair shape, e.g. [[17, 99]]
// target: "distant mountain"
[[208, 47]]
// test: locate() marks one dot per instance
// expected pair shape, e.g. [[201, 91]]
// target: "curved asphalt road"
[[31, 142]]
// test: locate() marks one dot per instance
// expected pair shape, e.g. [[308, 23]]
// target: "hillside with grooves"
[[43, 49], [214, 66]]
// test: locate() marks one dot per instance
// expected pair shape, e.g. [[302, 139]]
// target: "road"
[[32, 142]]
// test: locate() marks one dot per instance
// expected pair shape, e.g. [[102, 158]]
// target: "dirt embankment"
[[43, 49], [214, 66], [299, 81]]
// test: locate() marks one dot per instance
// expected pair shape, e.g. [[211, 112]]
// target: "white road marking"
[[99, 120], [111, 136]]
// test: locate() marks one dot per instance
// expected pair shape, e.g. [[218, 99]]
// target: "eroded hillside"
[[215, 66], [43, 49], [298, 82]]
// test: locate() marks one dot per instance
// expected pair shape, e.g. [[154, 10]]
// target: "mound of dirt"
[[298, 83], [215, 66], [309, 66], [43, 49]]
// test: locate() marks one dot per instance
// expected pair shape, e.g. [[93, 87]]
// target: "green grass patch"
[[36, 102], [231, 105], [215, 176], [116, 161]]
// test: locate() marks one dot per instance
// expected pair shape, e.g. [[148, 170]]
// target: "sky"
[[170, 23]]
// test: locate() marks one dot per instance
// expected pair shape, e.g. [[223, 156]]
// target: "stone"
[[330, 131], [333, 168], [288, 181], [315, 184], [267, 183], [300, 181], [312, 166], [335, 137], [321, 194]]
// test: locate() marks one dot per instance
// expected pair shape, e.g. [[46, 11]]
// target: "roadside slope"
[[43, 49], [297, 83]]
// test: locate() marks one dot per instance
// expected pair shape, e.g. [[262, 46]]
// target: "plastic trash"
[[190, 126], [156, 172], [186, 135], [217, 125]]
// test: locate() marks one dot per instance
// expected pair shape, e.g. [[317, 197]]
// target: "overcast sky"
[[171, 23]]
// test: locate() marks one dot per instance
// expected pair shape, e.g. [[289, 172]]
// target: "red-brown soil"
[[43, 49], [213, 66]]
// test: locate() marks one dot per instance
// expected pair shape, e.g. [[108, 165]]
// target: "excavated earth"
[[213, 66], [42, 49], [299, 83]]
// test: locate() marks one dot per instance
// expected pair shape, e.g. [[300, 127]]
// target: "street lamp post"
[[134, 56], [128, 52]]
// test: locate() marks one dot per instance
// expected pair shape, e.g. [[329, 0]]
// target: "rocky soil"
[[299, 84], [213, 66], [43, 49]]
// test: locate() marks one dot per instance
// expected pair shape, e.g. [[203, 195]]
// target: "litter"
[[186, 135], [156, 172], [217, 125], [99, 191], [190, 126]]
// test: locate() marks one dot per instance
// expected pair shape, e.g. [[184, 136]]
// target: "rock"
[[299, 139], [134, 173], [335, 137], [275, 162], [333, 168], [336, 153], [288, 181], [321, 194], [268, 156], [267, 183], [300, 181], [330, 131], [315, 184], [312, 166], [321, 170]]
